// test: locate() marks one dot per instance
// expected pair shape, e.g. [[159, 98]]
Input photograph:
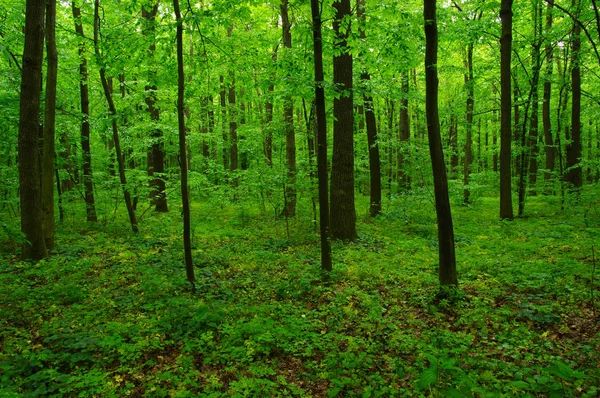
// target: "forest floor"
[[110, 314]]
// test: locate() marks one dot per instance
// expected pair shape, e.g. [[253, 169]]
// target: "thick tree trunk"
[[506, 208], [29, 115], [288, 117], [447, 257], [550, 148], [403, 164], [187, 240], [371, 124], [49, 126], [573, 172], [115, 130], [86, 154], [156, 167], [343, 212], [321, 137]]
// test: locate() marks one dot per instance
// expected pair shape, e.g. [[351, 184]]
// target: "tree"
[[372, 140], [321, 136], [29, 129], [156, 166], [404, 133], [550, 150], [185, 200], [573, 148], [343, 213], [49, 127], [506, 209], [447, 257], [113, 113], [288, 112], [90, 202]]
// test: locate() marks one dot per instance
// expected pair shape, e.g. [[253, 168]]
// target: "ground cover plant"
[[110, 313]]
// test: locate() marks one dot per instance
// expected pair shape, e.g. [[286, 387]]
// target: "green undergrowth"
[[109, 314]]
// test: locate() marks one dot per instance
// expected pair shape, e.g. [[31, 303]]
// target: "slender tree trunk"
[[574, 174], [321, 137], [506, 208], [453, 135], [343, 212], [550, 148], [447, 257], [288, 117], [30, 190], [469, 85], [156, 167], [113, 112], [49, 126], [86, 154], [187, 241], [233, 139], [403, 164], [223, 103], [371, 124], [534, 121]]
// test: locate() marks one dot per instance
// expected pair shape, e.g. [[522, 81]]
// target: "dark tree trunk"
[[371, 124], [233, 139], [573, 148], [223, 103], [453, 135], [447, 257], [403, 164], [86, 154], [506, 208], [288, 117], [469, 85], [30, 189], [343, 212], [113, 113], [49, 126], [321, 137], [156, 166], [534, 121], [185, 200], [546, 115]]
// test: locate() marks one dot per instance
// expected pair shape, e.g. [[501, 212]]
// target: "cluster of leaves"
[[110, 314]]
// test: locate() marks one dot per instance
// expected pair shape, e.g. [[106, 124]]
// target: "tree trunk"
[[403, 164], [223, 103], [506, 208], [233, 139], [288, 117], [343, 213], [185, 200], [550, 149], [49, 127], [534, 121], [573, 148], [371, 124], [321, 137], [29, 152], [113, 113], [156, 167], [86, 154], [469, 85], [447, 257], [453, 135]]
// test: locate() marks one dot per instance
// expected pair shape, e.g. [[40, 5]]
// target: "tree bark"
[[470, 87], [233, 139], [550, 148], [223, 103], [573, 148], [28, 144], [115, 130], [86, 154], [404, 123], [343, 212], [371, 125], [288, 117], [185, 200], [321, 137], [534, 121], [156, 167], [447, 257], [506, 208], [49, 126]]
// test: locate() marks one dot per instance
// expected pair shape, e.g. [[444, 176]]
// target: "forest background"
[[108, 312]]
